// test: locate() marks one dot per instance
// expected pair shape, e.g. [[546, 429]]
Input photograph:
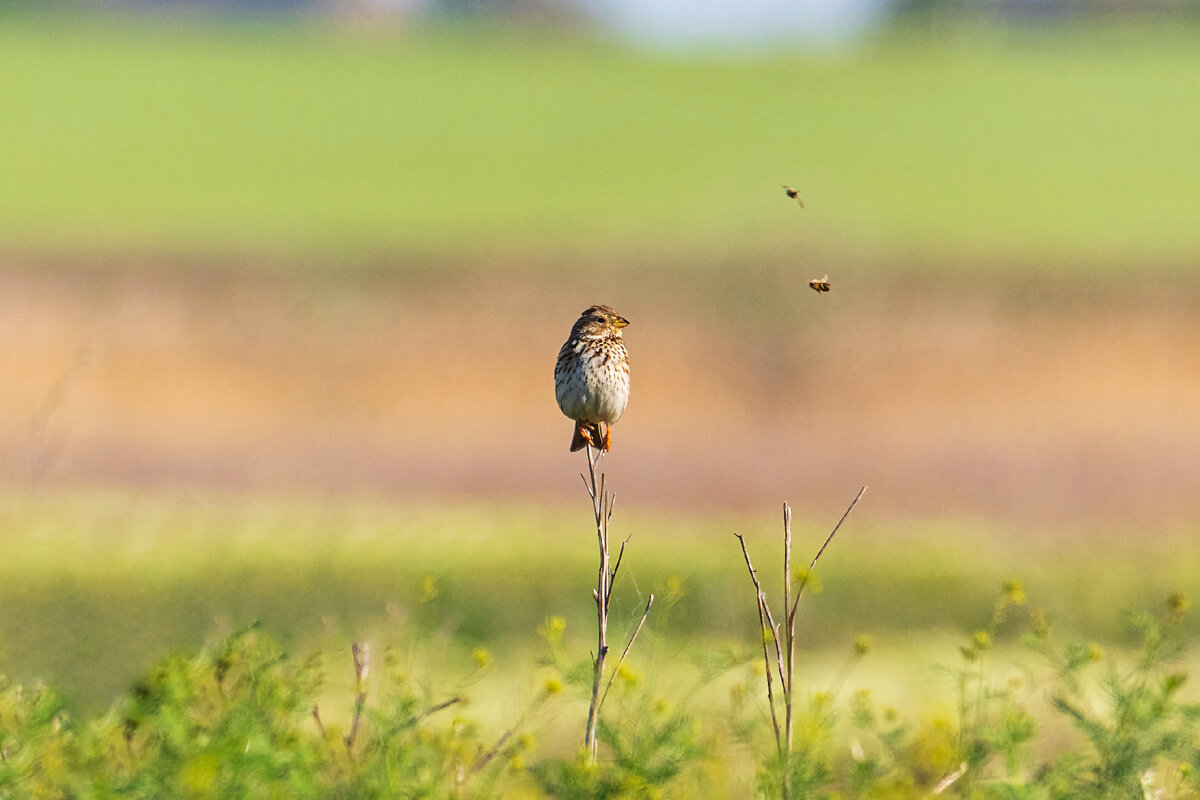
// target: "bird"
[[591, 377]]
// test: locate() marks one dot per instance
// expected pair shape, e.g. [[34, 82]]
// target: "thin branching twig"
[[602, 510], [617, 669], [429, 712], [828, 539], [762, 624], [494, 750], [776, 638], [316, 712], [950, 779], [785, 636], [361, 652], [612, 577], [789, 631]]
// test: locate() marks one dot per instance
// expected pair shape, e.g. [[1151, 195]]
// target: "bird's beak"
[[620, 322]]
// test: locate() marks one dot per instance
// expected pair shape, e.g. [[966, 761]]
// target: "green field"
[[183, 479], [1040, 146], [96, 587]]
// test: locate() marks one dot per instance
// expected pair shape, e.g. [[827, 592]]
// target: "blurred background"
[[282, 283]]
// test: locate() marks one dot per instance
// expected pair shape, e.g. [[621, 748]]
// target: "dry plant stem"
[[429, 712], [602, 504], [950, 779], [792, 604], [487, 757], [785, 640], [632, 639], [790, 619], [602, 508], [612, 576], [812, 565], [361, 651], [762, 624], [316, 712]]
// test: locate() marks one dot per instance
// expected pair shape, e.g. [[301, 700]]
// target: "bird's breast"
[[592, 383]]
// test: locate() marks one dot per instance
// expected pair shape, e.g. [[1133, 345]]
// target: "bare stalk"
[[789, 631], [316, 712], [361, 652], [948, 781], [606, 576], [632, 639], [785, 639], [602, 503], [488, 756], [612, 576], [812, 565], [442, 706], [762, 625]]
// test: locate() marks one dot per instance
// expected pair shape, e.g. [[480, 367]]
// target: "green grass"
[[1052, 145], [688, 714], [96, 587]]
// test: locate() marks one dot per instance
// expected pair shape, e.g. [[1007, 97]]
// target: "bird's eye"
[[601, 319]]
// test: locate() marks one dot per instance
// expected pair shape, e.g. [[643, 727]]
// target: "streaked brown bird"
[[591, 378]]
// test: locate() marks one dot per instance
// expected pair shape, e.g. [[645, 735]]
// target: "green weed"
[[242, 718]]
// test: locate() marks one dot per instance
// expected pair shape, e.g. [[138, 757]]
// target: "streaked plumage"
[[591, 378]]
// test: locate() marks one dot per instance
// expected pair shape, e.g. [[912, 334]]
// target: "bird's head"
[[600, 321]]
